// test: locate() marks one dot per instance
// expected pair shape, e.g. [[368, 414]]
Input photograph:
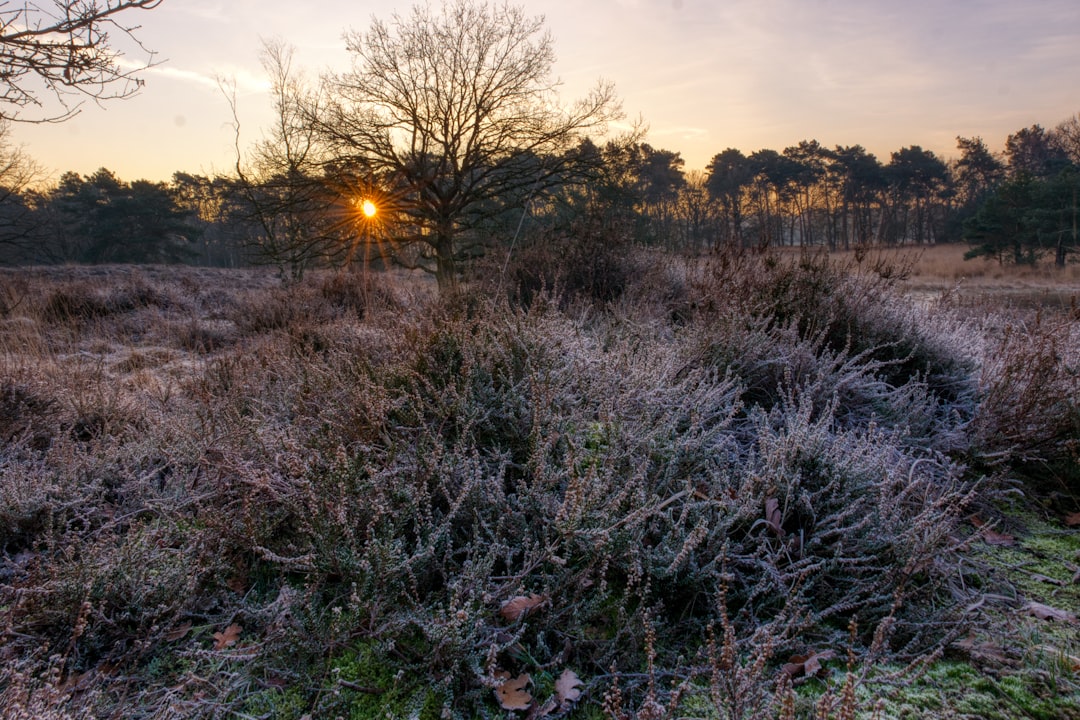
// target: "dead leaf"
[[566, 687], [237, 585], [518, 607], [227, 637], [1045, 612], [178, 632], [984, 650], [540, 711], [511, 693], [991, 537], [1072, 519], [808, 665], [773, 516]]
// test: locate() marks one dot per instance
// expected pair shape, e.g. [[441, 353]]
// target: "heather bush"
[[350, 510], [81, 303], [1028, 416], [592, 260]]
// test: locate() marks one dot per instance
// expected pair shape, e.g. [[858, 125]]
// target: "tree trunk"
[[445, 268]]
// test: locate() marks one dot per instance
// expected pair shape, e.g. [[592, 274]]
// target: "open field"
[[758, 487], [938, 269]]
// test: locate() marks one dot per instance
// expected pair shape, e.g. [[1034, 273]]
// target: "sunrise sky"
[[704, 75]]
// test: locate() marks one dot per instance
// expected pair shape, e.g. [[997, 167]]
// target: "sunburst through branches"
[[367, 213]]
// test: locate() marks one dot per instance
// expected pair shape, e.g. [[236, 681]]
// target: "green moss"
[[387, 691], [287, 704]]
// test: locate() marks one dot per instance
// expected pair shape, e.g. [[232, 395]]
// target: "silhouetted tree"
[[100, 219], [917, 178], [659, 181], [695, 214], [810, 162], [729, 173], [1054, 217], [771, 189], [20, 225], [458, 105], [1033, 151], [1067, 137], [210, 204], [293, 217], [860, 181], [1000, 228], [977, 171]]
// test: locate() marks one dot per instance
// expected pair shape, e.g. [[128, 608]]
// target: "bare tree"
[[20, 230], [295, 218], [1067, 137], [54, 55], [457, 109]]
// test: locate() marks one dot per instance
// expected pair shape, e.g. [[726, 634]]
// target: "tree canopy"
[[457, 110]]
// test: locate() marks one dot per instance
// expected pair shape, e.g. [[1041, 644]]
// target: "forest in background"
[[1016, 206]]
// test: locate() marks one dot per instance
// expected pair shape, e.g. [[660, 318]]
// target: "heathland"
[[612, 485]]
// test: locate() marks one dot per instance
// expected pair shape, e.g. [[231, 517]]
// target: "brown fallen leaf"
[[808, 665], [991, 537], [511, 692], [566, 688], [773, 516], [227, 637], [518, 607], [178, 632], [984, 650], [542, 711], [1045, 612], [1072, 519]]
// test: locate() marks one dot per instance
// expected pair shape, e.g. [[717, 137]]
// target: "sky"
[[704, 75]]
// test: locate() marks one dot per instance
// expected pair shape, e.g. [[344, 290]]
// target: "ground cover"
[[657, 488]]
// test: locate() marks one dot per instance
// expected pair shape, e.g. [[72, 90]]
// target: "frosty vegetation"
[[220, 499]]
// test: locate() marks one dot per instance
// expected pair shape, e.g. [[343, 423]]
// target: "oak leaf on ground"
[[227, 637], [1045, 612], [990, 537], [808, 665], [511, 692], [773, 516], [178, 632], [566, 687], [521, 606]]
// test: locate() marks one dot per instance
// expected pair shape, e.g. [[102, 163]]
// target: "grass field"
[[753, 487]]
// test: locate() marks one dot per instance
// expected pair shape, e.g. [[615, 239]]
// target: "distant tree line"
[[1017, 206]]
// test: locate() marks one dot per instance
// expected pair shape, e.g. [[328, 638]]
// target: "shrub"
[[590, 260], [365, 501], [1029, 409], [80, 303]]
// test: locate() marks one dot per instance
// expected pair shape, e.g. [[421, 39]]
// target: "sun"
[[368, 208]]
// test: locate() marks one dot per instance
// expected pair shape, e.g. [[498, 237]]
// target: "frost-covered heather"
[[220, 497]]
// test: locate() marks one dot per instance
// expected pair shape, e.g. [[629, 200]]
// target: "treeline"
[[1016, 205], [1019, 206]]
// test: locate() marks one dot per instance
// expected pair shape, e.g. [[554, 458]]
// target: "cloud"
[[247, 82]]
